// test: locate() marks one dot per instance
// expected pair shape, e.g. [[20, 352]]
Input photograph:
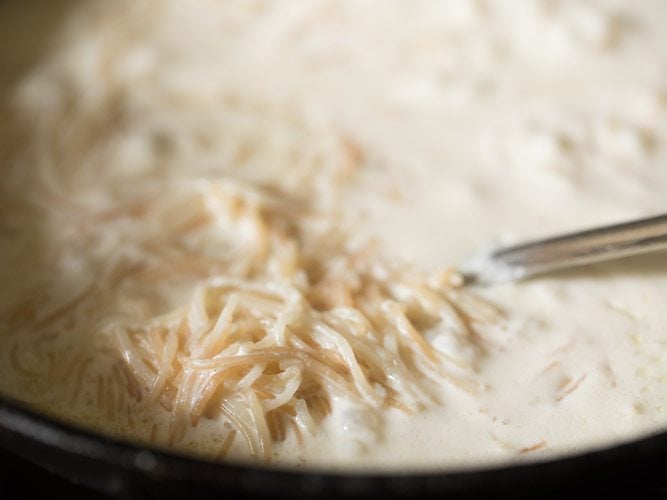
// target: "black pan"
[[125, 470]]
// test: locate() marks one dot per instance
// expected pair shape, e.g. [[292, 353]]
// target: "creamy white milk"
[[471, 124]]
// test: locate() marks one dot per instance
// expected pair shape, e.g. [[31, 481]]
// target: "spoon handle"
[[571, 250]]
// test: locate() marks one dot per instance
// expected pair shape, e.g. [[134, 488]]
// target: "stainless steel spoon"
[[571, 250]]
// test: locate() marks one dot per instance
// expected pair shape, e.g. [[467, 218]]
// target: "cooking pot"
[[123, 469]]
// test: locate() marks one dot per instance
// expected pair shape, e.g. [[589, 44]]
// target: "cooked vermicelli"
[[225, 290], [280, 319], [218, 286]]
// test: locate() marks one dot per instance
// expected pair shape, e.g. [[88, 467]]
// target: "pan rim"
[[23, 431]]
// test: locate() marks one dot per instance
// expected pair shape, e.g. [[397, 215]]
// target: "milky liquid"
[[479, 123]]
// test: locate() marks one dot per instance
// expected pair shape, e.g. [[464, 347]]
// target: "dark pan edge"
[[127, 470]]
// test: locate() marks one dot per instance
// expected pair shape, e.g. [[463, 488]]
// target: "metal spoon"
[[571, 250]]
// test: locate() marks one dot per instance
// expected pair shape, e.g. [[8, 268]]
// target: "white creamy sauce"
[[474, 123]]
